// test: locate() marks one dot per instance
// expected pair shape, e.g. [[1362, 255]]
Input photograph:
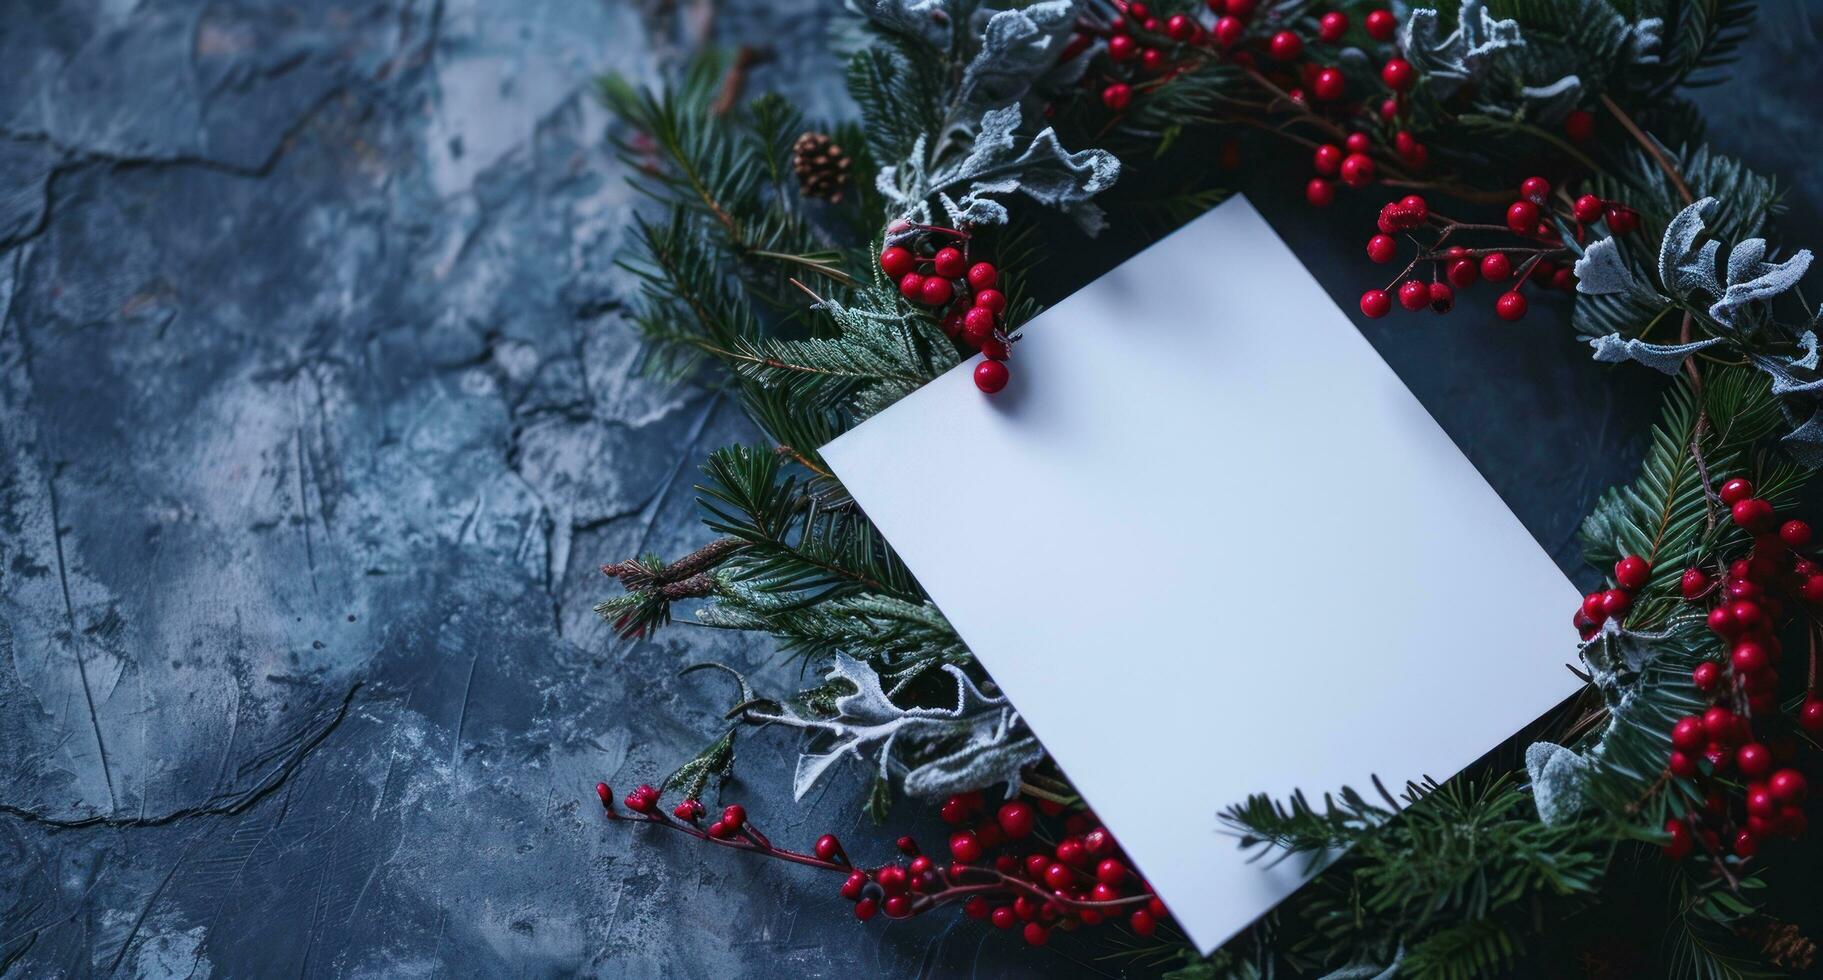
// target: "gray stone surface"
[[315, 419]]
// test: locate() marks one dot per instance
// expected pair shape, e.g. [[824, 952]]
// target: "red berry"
[[1788, 785], [975, 908], [1616, 602], [1745, 845], [965, 846], [1320, 193], [990, 377], [1811, 590], [1357, 170], [1442, 298], [1122, 47], [1510, 306], [977, 325], [1579, 125], [949, 262], [1381, 24], [1285, 46], [1680, 844], [828, 847], [1464, 272], [1683, 766], [1496, 267], [865, 909], [1621, 221], [1535, 189], [1688, 734], [1398, 74], [1810, 715], [1375, 303], [851, 888], [1327, 159], [1004, 917], [607, 795], [1795, 533], [1036, 935], [1382, 248], [1522, 217], [935, 291], [982, 275], [1754, 514], [1632, 572], [1329, 85], [1333, 25], [1587, 209], [1747, 614], [1735, 491], [1180, 27], [1414, 295], [893, 879], [991, 299], [1142, 922], [1748, 657], [911, 286], [1754, 759], [1720, 724], [897, 261], [896, 906], [1228, 30], [1389, 110], [1706, 676], [1057, 876], [1016, 819], [1139, 11], [1110, 872], [1116, 96]]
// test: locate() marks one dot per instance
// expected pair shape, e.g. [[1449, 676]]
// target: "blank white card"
[[1210, 545]]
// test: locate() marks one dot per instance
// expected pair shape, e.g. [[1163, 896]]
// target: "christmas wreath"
[[1519, 147]]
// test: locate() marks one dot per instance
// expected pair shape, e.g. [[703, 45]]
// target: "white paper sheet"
[[1210, 545]]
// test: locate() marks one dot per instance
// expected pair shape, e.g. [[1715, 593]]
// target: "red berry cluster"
[[1742, 734], [1541, 255], [962, 293], [1012, 867], [1146, 50]]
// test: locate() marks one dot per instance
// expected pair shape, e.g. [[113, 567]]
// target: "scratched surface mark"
[[315, 419]]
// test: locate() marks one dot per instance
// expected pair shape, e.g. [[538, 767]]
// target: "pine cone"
[[1783, 945], [821, 166]]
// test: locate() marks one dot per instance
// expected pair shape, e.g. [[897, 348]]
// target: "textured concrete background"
[[315, 420]]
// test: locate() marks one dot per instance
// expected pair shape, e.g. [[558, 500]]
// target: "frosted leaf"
[[998, 165], [1557, 775], [1017, 47], [977, 743], [1553, 101], [927, 20], [1683, 266], [1665, 358], [1462, 54], [1687, 267], [1752, 279], [1601, 271]]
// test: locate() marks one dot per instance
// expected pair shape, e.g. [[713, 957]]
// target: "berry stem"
[[1651, 147]]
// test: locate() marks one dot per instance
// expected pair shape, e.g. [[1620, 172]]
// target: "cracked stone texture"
[[317, 417]]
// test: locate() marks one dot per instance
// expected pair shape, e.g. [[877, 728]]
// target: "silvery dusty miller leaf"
[[1665, 358], [906, 739], [1556, 774], [1017, 47]]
